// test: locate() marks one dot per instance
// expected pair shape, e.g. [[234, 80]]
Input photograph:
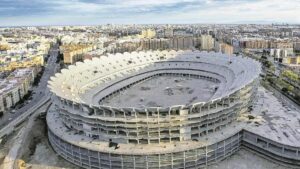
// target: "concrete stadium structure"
[[156, 109]]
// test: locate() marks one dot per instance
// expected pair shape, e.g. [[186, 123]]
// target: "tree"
[[290, 88], [264, 57], [284, 89], [290, 75], [272, 68], [270, 79], [269, 64], [297, 97]]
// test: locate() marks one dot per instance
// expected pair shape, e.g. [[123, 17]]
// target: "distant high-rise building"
[[154, 44], [254, 43], [207, 42], [293, 60], [281, 44], [297, 46], [74, 52], [224, 48], [149, 33], [280, 54], [169, 32]]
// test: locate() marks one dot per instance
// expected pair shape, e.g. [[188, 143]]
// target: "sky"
[[96, 12]]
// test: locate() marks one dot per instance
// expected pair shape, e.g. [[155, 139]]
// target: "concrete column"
[[172, 158], [90, 163], [110, 166], [159, 160], [99, 159], [224, 148], [205, 155], [197, 157], [184, 159], [231, 145], [158, 127], [147, 162], [122, 161], [80, 155]]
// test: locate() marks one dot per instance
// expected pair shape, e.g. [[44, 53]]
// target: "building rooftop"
[[13, 79]]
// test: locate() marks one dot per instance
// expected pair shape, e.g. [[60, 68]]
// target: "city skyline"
[[93, 12]]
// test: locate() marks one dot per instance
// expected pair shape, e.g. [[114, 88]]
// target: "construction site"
[[158, 109], [163, 109]]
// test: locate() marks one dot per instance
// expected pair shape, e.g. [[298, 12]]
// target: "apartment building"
[[74, 52], [15, 87], [281, 44], [35, 61], [223, 48], [207, 42], [148, 33], [254, 43]]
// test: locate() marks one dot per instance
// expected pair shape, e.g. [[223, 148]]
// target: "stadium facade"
[[109, 112]]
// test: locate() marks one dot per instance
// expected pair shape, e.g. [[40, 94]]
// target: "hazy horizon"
[[98, 12]]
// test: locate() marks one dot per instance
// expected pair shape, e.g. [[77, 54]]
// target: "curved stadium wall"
[[87, 131]]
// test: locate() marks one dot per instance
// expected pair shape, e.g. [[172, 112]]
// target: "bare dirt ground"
[[3, 150], [37, 152], [5, 146]]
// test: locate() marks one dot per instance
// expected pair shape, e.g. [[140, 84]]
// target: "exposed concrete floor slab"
[[164, 91], [244, 159], [280, 123]]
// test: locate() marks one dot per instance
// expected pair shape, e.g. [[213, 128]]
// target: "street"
[[38, 92]]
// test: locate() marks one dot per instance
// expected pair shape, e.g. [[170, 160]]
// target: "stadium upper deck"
[[94, 81]]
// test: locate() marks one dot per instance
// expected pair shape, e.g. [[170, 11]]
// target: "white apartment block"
[[15, 87]]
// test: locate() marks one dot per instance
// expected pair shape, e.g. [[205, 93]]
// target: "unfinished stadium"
[[158, 109]]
